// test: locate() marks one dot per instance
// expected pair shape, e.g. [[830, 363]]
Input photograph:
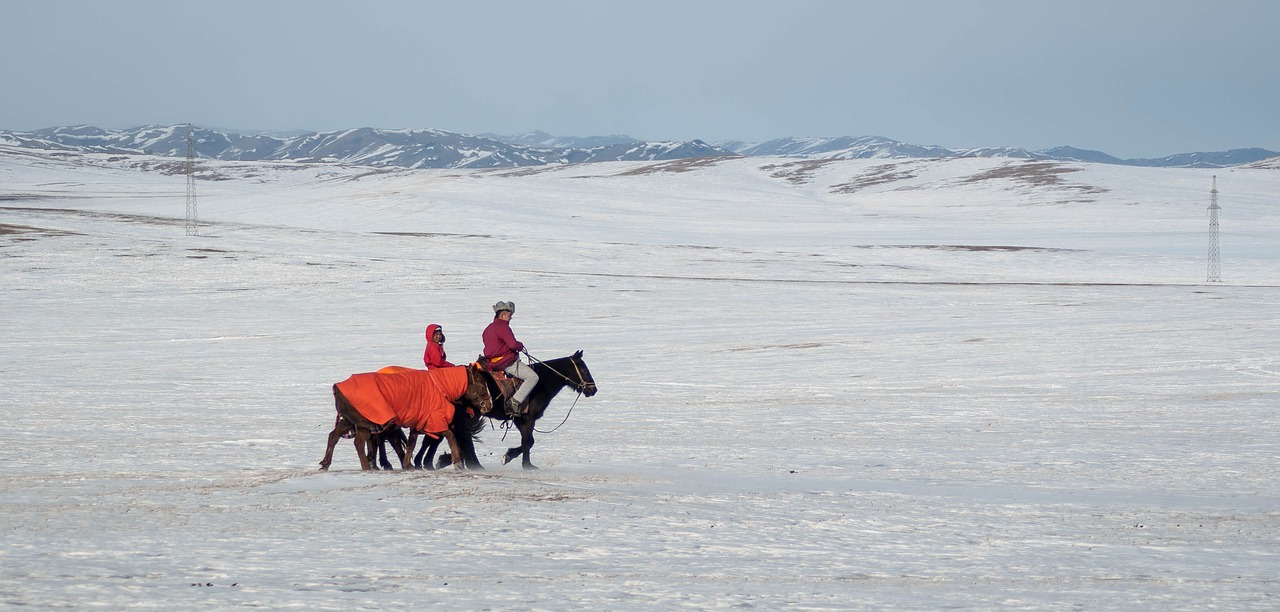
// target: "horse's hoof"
[[506, 460], [530, 466]]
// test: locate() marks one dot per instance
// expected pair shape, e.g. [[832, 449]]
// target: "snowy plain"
[[857, 384]]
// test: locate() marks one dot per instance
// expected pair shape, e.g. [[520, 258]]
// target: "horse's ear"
[[578, 354]]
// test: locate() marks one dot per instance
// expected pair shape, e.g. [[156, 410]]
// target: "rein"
[[566, 416], [578, 386], [509, 425]]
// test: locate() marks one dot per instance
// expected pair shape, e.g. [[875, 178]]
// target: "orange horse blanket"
[[420, 399]]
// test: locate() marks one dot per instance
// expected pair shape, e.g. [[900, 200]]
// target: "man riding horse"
[[502, 354]]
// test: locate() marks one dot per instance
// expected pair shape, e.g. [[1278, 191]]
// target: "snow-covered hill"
[[427, 148], [542, 140], [877, 147], [824, 384], [364, 146], [842, 148], [1272, 163]]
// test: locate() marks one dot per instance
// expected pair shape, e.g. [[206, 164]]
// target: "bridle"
[[581, 385], [487, 390]]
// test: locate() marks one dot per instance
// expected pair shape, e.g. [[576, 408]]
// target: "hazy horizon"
[[1136, 80]]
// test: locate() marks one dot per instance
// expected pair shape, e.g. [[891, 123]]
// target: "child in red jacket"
[[434, 356]]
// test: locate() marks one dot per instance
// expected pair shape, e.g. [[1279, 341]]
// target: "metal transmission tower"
[[1215, 256], [193, 223]]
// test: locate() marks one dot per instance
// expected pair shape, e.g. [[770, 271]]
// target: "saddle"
[[507, 384]]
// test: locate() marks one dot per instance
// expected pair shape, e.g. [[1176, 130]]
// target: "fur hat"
[[501, 306]]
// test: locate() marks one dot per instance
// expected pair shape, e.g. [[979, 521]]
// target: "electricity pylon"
[[193, 223], [1215, 255]]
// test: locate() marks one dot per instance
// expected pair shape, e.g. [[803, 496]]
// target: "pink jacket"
[[501, 348]]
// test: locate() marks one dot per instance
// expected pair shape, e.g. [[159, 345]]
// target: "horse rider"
[[433, 357], [502, 353]]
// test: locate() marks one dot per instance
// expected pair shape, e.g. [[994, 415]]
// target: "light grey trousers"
[[527, 375]]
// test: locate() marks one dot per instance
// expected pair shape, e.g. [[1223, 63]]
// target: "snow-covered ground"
[[823, 385]]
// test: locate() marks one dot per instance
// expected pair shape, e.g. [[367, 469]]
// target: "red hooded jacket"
[[433, 357]]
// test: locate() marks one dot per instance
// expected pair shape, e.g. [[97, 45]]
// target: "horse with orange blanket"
[[422, 400]]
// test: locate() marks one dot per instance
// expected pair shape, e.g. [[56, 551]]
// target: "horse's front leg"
[[406, 461], [362, 442], [454, 451], [426, 457], [526, 443], [513, 452]]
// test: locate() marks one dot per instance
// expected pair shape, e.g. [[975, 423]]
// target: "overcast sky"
[[1133, 79]]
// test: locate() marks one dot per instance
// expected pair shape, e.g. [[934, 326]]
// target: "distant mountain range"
[[363, 146], [847, 147], [427, 148]]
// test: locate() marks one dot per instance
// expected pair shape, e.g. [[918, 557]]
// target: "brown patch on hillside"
[[798, 172], [19, 197], [1034, 174], [878, 175], [795, 346], [110, 216], [31, 232], [687, 164], [965, 247], [433, 235], [531, 171], [174, 168]]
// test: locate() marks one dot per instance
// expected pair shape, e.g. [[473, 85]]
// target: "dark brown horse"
[[350, 423], [553, 376]]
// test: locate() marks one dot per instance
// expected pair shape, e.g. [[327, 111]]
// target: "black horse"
[[466, 431], [553, 376], [466, 426]]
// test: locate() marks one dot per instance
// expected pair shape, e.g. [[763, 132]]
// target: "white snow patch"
[[930, 393]]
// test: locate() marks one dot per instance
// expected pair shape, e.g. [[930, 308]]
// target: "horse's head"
[[480, 386], [586, 384]]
